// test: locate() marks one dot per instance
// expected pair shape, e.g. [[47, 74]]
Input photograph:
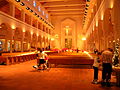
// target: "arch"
[[69, 34], [5, 31], [27, 37], [68, 18], [18, 34], [34, 40]]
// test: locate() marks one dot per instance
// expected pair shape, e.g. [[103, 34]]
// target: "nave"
[[23, 76]]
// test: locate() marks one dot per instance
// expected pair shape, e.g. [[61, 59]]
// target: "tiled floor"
[[23, 77]]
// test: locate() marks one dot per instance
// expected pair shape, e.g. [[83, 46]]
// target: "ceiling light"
[[87, 5], [27, 8], [88, 0], [17, 0], [86, 8], [35, 13], [22, 4], [31, 10], [40, 18]]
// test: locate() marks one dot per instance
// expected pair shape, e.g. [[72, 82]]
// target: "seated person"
[[41, 60]]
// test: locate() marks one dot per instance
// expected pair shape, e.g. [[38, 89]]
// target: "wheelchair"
[[42, 64]]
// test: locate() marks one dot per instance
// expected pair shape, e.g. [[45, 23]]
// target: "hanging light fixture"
[[17, 0], [88, 0], [22, 4], [27, 8], [87, 5], [31, 10]]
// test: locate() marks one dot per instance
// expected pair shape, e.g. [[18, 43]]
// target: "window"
[[34, 3], [47, 16], [39, 9], [43, 12]]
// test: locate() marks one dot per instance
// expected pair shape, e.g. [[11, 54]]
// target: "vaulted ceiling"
[[64, 7]]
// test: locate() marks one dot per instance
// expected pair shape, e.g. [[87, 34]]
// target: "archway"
[[68, 34]]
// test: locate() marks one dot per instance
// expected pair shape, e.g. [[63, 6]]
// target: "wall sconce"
[[96, 23], [31, 33], [24, 30], [111, 4], [37, 34], [52, 39], [102, 17], [83, 38], [118, 39], [13, 27], [113, 41]]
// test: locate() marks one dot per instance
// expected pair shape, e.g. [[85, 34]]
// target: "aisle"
[[23, 77]]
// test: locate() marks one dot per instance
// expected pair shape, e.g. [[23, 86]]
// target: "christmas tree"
[[116, 55]]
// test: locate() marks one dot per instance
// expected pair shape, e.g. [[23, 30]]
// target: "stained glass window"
[[39, 9], [34, 3]]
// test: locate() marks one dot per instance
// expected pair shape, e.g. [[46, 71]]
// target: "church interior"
[[70, 32]]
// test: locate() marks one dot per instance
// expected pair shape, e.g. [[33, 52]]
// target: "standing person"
[[95, 67], [107, 66], [77, 50]]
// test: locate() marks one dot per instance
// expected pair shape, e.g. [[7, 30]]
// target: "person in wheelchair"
[[42, 60]]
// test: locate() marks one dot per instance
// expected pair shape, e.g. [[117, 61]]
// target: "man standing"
[[107, 66]]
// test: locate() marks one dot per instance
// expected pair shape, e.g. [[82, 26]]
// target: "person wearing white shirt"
[[95, 67]]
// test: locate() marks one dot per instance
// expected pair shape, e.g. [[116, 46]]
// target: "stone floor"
[[23, 77]]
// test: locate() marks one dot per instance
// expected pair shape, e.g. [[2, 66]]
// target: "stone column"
[[10, 46], [12, 38], [37, 42], [6, 45], [31, 41], [116, 19], [22, 42]]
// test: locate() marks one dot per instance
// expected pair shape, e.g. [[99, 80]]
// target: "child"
[[95, 67]]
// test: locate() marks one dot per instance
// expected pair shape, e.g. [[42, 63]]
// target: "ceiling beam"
[[58, 4], [65, 8], [66, 12], [57, 0], [80, 15]]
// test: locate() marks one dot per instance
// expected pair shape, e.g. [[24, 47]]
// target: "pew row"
[[7, 60]]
